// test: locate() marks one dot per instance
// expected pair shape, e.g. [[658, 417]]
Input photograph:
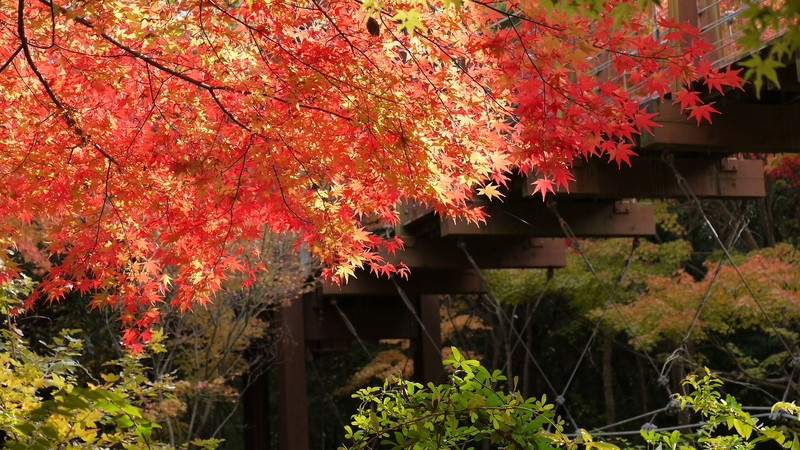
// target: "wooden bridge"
[[525, 232]]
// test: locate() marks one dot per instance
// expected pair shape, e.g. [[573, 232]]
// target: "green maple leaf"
[[409, 20], [758, 69], [622, 13]]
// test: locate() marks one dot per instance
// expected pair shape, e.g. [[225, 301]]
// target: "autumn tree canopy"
[[142, 140]]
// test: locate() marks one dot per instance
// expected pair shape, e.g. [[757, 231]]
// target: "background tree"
[[216, 352], [209, 355], [613, 362]]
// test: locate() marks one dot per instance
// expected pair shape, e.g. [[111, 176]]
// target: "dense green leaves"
[[726, 426], [775, 23], [467, 410], [406, 415]]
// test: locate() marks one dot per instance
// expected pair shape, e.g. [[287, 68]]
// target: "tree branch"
[[11, 58], [152, 62], [78, 131]]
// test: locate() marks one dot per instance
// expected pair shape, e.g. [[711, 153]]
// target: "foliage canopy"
[[143, 139]]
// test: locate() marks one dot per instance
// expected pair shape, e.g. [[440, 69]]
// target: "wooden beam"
[[741, 127], [420, 281], [534, 218], [412, 213], [372, 318], [649, 177], [489, 252]]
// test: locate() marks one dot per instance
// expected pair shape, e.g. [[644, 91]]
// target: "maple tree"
[[144, 138], [719, 313]]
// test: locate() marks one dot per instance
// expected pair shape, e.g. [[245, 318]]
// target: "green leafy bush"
[[406, 415], [469, 410]]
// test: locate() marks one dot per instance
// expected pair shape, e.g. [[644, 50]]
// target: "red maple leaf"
[[619, 151], [543, 185], [702, 112], [719, 79], [687, 98]]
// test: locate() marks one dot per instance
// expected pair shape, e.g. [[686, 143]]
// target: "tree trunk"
[[768, 220], [678, 374], [526, 367], [642, 385], [608, 382]]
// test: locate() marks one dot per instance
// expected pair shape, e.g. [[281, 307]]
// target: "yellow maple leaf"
[[490, 191]]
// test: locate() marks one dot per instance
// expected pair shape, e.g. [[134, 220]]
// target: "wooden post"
[[256, 414], [292, 396], [428, 366]]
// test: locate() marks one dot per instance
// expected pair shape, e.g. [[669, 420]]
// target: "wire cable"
[[630, 419], [687, 190], [620, 277], [576, 244], [490, 296], [350, 327], [678, 427]]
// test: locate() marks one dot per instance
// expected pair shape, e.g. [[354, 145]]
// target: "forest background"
[[211, 355], [194, 364], [193, 378]]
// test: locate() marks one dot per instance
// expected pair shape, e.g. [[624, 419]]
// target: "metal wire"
[[678, 427], [631, 419], [687, 190], [568, 231], [620, 277], [351, 327], [496, 303]]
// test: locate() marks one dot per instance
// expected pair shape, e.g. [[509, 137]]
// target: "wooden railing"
[[722, 22]]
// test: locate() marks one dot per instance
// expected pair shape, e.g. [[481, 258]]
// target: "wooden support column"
[[428, 366], [292, 396], [256, 414]]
